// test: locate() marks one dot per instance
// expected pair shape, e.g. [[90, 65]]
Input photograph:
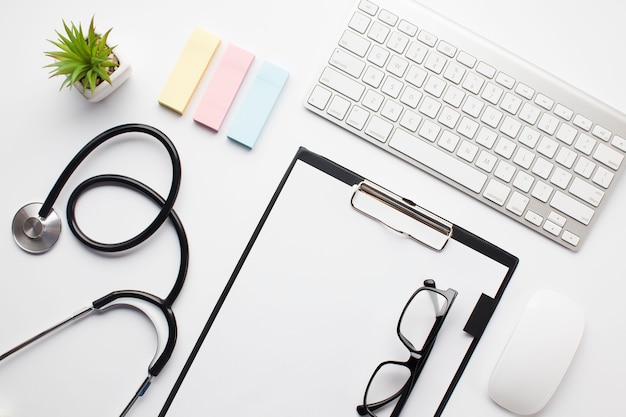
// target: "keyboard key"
[[427, 38], [359, 22], [473, 106], [582, 122], [542, 191], [407, 28], [496, 192], [378, 32], [586, 192], [602, 133], [619, 143], [342, 84], [486, 161], [523, 181], [511, 103], [548, 123], [435, 86], [391, 110], [566, 157], [454, 72], [510, 127], [347, 63], [473, 83], [486, 70], [392, 87], [524, 157], [446, 49], [454, 96], [429, 131], [448, 141], [566, 134], [398, 42], [388, 17], [571, 207], [544, 101], [438, 160], [492, 93], [504, 171], [416, 52], [319, 97], [357, 117], [505, 80], [368, 7], [373, 76], [603, 177], [505, 147], [435, 62], [430, 107], [410, 120], [466, 59], [563, 112], [529, 113], [397, 66], [550, 227], [517, 203], [584, 167], [547, 147], [534, 218], [354, 43], [468, 127], [467, 151], [542, 168], [525, 91], [416, 76], [585, 144], [448, 117], [529, 137], [570, 238], [378, 129], [608, 156], [557, 219], [410, 97], [338, 107], [486, 137], [373, 100], [378, 56], [491, 117], [561, 178]]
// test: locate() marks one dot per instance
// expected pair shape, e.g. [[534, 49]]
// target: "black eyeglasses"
[[419, 323]]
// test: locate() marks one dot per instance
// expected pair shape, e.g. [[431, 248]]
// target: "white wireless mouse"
[[538, 353]]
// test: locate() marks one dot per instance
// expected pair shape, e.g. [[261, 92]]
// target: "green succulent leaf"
[[85, 58]]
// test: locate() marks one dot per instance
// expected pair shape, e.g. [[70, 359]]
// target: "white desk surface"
[[226, 188]]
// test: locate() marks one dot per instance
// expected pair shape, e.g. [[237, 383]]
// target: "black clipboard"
[[311, 307]]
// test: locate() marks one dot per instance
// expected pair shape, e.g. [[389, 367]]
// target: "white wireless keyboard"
[[474, 115]]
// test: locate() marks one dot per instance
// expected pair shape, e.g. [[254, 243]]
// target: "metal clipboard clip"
[[401, 215]]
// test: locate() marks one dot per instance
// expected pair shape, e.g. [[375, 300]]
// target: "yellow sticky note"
[[189, 69]]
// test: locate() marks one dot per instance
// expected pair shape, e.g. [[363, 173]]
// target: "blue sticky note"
[[258, 104]]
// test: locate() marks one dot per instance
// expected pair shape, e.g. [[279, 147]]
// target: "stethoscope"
[[36, 228]]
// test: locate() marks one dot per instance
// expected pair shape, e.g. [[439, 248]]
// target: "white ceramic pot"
[[121, 74]]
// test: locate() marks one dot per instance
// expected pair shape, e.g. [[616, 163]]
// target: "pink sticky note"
[[223, 87]]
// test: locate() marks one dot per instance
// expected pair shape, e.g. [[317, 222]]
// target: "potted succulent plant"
[[88, 62]]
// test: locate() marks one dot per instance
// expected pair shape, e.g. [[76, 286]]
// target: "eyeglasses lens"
[[420, 315], [386, 384]]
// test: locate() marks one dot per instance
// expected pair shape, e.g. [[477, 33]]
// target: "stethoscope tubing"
[[168, 203]]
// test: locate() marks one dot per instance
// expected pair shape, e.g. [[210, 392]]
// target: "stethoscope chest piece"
[[34, 233]]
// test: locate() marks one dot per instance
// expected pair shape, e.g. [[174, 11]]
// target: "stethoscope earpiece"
[[33, 233]]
